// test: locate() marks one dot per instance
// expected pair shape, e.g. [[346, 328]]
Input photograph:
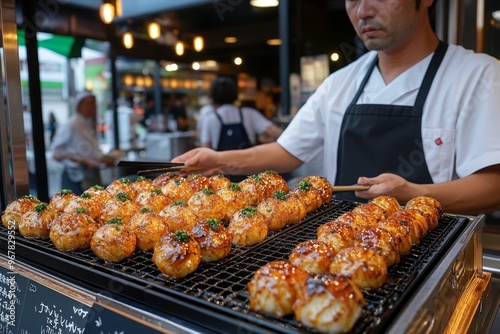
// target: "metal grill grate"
[[222, 285]]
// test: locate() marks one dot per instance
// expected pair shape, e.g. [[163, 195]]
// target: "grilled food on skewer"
[[329, 304], [358, 220], [207, 204], [308, 195], [72, 232], [177, 254], [388, 203], [113, 241], [372, 210], [234, 198], [337, 234], [36, 222], [273, 287], [120, 206], [247, 227], [253, 187], [381, 241], [14, 212], [271, 182], [322, 185], [364, 266], [213, 238], [148, 227], [60, 199], [313, 256], [275, 211], [429, 207], [179, 216], [154, 199]]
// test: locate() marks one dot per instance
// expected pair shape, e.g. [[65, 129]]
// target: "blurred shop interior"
[[172, 50]]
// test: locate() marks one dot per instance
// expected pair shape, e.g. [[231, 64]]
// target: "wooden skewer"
[[349, 188]]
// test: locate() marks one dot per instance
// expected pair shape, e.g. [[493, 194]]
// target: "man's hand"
[[386, 184]]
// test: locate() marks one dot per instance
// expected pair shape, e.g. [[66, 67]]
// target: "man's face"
[[385, 25]]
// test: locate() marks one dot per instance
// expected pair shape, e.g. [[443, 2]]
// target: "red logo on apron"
[[438, 141]]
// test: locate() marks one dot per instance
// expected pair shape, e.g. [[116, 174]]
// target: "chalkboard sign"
[[29, 307]]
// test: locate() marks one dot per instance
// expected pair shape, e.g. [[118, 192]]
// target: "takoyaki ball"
[[36, 223], [429, 206], [323, 185], [198, 182], [357, 220], [177, 189], [218, 182], [253, 187], [400, 230], [86, 200], [207, 204], [313, 256], [142, 184], [99, 195], [371, 209], [337, 234], [154, 199], [247, 227], [177, 254], [60, 199], [72, 232], [308, 195], [272, 182], [148, 227], [388, 203], [234, 198], [296, 209], [13, 213], [381, 241], [121, 206], [416, 220], [364, 266], [113, 241], [163, 179], [122, 185], [329, 304], [179, 216], [273, 288], [275, 211], [213, 238]]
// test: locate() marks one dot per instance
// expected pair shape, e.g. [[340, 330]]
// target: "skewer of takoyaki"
[[13, 213], [322, 185], [234, 198], [213, 238], [72, 232], [177, 254], [328, 303], [121, 206], [253, 188], [313, 256], [388, 203], [337, 234], [207, 204], [178, 216], [308, 195], [247, 227], [148, 227], [275, 211], [36, 222], [382, 241], [364, 266], [271, 182], [113, 241], [273, 287], [429, 207]]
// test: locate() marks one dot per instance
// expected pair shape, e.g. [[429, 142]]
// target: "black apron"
[[376, 138], [232, 136]]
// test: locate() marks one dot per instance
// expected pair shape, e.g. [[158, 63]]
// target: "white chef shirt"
[[254, 122], [460, 124]]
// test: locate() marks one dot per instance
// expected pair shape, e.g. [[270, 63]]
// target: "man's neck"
[[394, 62]]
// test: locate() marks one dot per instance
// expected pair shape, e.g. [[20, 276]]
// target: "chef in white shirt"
[[414, 116]]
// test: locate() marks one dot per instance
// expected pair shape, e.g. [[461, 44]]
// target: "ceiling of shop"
[[317, 26]]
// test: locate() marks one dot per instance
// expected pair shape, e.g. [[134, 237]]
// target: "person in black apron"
[[391, 129]]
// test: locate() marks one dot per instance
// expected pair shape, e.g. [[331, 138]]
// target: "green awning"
[[67, 46]]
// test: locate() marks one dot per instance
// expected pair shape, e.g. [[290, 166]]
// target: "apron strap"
[[365, 80], [431, 73]]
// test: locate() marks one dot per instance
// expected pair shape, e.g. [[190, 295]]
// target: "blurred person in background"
[[76, 146], [177, 112]]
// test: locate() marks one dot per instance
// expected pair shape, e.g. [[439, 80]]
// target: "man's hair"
[[224, 91]]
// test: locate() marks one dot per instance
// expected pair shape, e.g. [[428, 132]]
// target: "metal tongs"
[[157, 167]]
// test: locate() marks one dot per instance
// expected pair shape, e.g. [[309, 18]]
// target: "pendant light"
[[264, 3], [154, 30], [179, 48], [198, 43], [107, 12], [128, 40]]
